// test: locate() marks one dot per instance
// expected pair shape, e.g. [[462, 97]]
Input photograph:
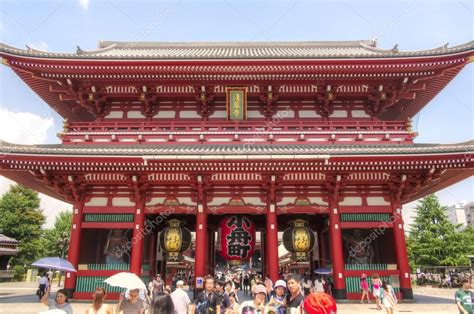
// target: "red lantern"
[[237, 238]]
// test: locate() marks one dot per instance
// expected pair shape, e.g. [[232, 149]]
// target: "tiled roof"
[[209, 150], [238, 50], [7, 240]]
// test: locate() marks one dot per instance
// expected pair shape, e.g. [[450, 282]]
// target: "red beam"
[[170, 209], [98, 273], [107, 225], [221, 210], [358, 273], [88, 296], [109, 210], [365, 209]]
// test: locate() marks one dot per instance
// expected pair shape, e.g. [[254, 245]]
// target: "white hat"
[[180, 283], [280, 283]]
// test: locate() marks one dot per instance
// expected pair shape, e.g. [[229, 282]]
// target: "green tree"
[[434, 240], [56, 239], [21, 219]]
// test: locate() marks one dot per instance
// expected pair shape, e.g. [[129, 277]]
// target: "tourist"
[[50, 275], [207, 300], [234, 305], [43, 286], [162, 304], [268, 285], [257, 305], [246, 284], [158, 285], [60, 302], [464, 297], [180, 298], [98, 306], [229, 286], [376, 284], [131, 305], [364, 287], [278, 301], [329, 286], [319, 284], [223, 296], [174, 280], [319, 303], [307, 284], [388, 297], [295, 298]]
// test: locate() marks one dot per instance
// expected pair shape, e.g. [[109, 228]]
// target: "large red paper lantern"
[[237, 238]]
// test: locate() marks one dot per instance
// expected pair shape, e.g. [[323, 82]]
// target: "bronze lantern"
[[174, 240], [298, 239]]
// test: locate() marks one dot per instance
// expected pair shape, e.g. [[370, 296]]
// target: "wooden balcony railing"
[[340, 132]]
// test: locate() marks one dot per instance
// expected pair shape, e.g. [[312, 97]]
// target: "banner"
[[236, 103]]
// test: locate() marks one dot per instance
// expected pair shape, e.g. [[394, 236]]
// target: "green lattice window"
[[88, 284], [108, 217], [108, 267], [364, 217]]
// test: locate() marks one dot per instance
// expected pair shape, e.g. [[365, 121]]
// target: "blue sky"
[[63, 25]]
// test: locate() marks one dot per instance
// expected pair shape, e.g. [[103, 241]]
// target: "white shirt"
[[180, 301], [44, 281]]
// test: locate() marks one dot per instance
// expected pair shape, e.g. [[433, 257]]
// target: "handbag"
[[38, 292]]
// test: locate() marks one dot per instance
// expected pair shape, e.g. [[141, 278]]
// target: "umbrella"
[[125, 280], [323, 271], [54, 263]]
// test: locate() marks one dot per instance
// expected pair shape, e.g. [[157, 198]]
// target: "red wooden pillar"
[[201, 243], [137, 239], [272, 243], [336, 250], [74, 245], [401, 252]]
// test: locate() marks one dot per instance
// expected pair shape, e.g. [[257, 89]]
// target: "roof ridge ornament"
[[395, 48], [79, 51]]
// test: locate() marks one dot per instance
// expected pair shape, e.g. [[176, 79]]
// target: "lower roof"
[[235, 150]]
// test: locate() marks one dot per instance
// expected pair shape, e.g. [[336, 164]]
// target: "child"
[[278, 301], [376, 284], [388, 297], [364, 286]]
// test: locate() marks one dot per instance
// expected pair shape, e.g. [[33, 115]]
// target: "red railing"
[[284, 132], [229, 126]]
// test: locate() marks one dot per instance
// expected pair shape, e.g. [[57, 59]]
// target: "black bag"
[[38, 292]]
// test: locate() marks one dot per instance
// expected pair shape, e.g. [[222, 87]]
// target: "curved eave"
[[53, 68], [456, 161]]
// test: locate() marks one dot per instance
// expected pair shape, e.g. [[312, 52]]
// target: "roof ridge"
[[235, 44]]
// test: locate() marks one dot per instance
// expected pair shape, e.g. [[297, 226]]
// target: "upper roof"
[[238, 50]]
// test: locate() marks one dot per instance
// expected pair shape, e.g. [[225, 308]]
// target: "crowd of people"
[[288, 295]]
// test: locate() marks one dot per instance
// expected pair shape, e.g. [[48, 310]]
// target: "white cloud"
[[23, 127], [84, 4], [28, 128], [41, 45]]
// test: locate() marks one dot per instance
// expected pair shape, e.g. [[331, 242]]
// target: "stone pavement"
[[18, 297]]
